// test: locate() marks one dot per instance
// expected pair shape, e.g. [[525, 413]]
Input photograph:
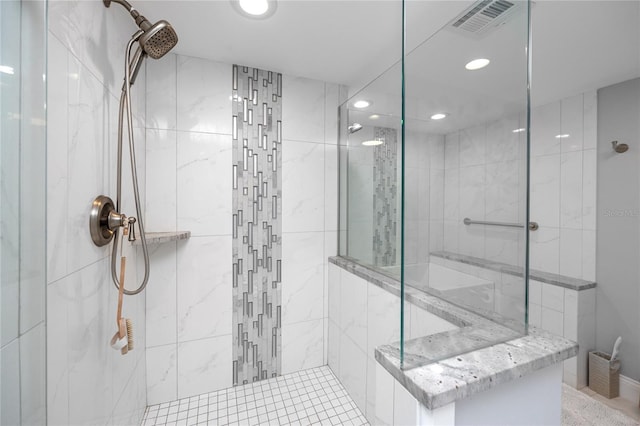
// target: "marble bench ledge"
[[432, 375], [443, 382]]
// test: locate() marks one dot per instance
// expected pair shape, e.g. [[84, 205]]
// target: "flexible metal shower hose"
[[125, 101]]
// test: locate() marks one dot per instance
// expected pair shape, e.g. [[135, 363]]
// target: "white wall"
[[87, 381], [189, 170], [618, 290]]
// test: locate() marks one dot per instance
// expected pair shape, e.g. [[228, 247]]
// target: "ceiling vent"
[[485, 16]]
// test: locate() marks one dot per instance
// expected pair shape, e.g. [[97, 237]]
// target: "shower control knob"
[[132, 229]]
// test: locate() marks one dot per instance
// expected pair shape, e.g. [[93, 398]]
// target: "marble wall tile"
[[302, 345], [570, 312], [553, 297], [450, 238], [204, 365], [502, 144], [302, 276], [545, 190], [302, 205], [452, 151], [545, 250], [370, 398], [331, 188], [161, 87], [303, 109], [204, 302], [57, 173], [10, 370], [353, 371], [90, 359], [571, 190], [333, 341], [353, 315], [161, 294], [535, 315], [131, 404], [334, 299], [57, 344], [552, 321], [571, 252], [86, 28], [385, 384], [535, 292], [502, 191], [162, 374], [161, 196], [203, 96], [383, 318], [204, 162], [88, 121], [502, 245], [436, 194], [405, 406], [472, 146], [452, 195], [545, 126], [572, 123]]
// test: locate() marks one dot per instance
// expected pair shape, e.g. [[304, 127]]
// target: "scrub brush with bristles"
[[129, 334]]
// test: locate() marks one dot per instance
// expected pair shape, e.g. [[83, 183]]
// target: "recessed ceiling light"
[[361, 104], [257, 9], [374, 117], [438, 116], [373, 142], [476, 64], [254, 7], [6, 69], [522, 129], [563, 136]]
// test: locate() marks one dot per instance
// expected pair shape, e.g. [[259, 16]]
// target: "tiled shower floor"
[[308, 397]]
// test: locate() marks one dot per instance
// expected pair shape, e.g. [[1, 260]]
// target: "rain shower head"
[[158, 39]]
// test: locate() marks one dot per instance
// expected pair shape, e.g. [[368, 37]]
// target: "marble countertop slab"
[[545, 277], [484, 352], [443, 382]]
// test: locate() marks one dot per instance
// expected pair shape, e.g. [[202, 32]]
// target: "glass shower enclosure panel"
[[465, 169], [370, 204], [22, 211]]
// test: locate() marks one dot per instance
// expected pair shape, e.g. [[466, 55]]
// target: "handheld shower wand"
[[105, 220]]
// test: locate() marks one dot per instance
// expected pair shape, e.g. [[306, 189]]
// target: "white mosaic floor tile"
[[308, 397]]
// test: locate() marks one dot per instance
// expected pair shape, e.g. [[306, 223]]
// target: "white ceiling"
[[577, 46]]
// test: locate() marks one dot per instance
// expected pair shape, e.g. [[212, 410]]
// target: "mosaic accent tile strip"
[[385, 200], [308, 397], [257, 210]]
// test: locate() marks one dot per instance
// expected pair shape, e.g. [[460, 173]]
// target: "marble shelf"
[[154, 238]]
